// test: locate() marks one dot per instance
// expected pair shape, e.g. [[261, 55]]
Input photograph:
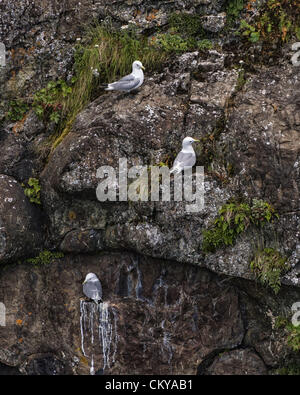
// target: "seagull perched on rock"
[[129, 82], [186, 157], [92, 287]]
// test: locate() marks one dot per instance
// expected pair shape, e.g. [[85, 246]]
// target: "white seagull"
[[186, 157], [92, 287], [129, 82]]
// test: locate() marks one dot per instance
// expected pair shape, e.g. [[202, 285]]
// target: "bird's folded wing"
[[128, 77], [184, 159], [93, 290], [126, 83]]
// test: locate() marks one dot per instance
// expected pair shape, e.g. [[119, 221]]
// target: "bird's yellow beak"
[[198, 141], [83, 283], [143, 67]]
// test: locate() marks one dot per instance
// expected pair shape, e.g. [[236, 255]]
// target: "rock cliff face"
[[169, 306]]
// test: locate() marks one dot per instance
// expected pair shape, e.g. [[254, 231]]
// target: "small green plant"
[[241, 81], [17, 110], [234, 218], [249, 31], [233, 10], [269, 265], [33, 190], [47, 103], [171, 42], [278, 21], [289, 370], [45, 257], [292, 332], [185, 33], [293, 339]]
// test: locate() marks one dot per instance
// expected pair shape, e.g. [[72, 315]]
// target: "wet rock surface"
[[157, 317]]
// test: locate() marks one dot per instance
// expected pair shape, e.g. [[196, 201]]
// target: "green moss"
[[185, 33], [33, 190], [16, 111], [234, 218], [269, 265], [45, 257], [204, 45], [188, 24], [172, 42]]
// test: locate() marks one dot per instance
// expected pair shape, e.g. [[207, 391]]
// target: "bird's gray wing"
[[126, 83], [128, 77], [93, 290], [185, 159]]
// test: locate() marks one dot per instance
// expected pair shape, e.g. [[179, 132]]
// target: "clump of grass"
[[234, 218], [45, 257], [268, 265], [105, 55]]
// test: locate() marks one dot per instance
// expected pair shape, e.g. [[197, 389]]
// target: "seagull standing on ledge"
[[92, 287], [186, 157], [129, 82]]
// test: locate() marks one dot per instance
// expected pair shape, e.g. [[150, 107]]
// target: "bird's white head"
[[137, 65], [90, 276], [188, 141]]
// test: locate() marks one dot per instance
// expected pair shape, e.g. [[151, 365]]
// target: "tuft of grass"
[[106, 55], [268, 265]]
